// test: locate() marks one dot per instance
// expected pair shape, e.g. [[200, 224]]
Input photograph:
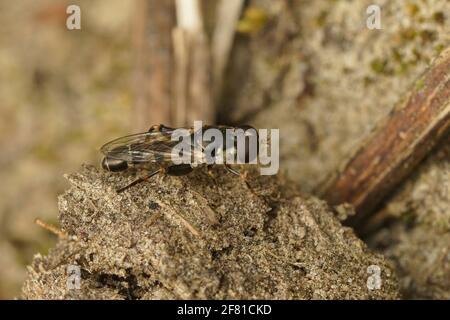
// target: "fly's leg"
[[231, 170], [243, 176], [138, 180], [160, 128]]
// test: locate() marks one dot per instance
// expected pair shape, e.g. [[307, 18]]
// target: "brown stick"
[[49, 227], [396, 145], [153, 23], [193, 97], [180, 101], [227, 16]]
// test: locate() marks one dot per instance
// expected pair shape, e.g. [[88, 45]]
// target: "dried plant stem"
[[61, 234], [180, 83], [153, 23], [178, 216], [396, 145], [227, 16], [192, 83], [178, 74]]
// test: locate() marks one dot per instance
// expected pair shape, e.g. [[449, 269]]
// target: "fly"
[[156, 147]]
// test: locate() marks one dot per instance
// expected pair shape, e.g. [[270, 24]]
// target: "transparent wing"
[[141, 147]]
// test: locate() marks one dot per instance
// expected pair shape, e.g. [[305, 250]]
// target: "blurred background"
[[62, 93], [308, 67]]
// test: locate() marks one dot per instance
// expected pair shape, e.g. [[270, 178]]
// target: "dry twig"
[[227, 16], [49, 227], [153, 25], [193, 98], [396, 145]]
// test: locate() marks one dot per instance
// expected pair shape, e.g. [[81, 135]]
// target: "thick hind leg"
[[178, 169]]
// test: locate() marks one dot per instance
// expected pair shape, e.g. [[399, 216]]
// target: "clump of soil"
[[198, 237]]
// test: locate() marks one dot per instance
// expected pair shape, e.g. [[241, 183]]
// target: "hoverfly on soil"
[[156, 147]]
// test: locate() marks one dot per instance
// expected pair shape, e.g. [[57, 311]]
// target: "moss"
[[439, 48], [253, 20], [439, 17], [412, 9], [409, 34], [420, 84], [321, 18], [380, 66], [427, 35]]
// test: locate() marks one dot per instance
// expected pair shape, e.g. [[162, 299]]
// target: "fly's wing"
[[142, 147]]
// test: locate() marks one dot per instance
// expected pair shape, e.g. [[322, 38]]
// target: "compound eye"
[[114, 165]]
